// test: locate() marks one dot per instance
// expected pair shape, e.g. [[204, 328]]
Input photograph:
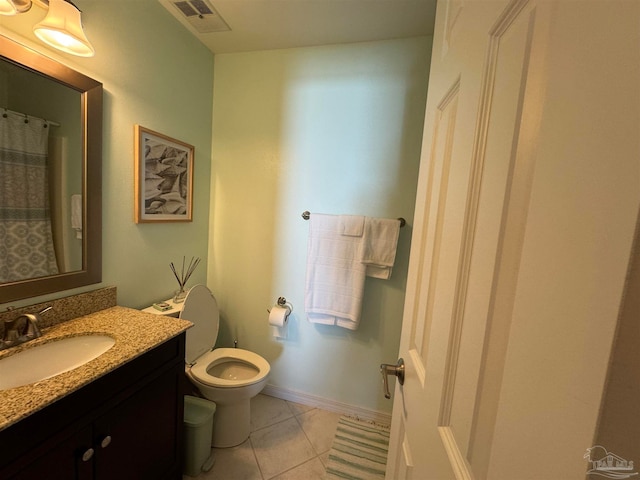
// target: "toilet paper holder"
[[282, 302]]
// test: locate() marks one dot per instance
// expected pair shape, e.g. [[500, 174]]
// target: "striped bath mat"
[[359, 450]]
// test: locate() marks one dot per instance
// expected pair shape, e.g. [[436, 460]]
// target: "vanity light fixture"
[[61, 28], [13, 7]]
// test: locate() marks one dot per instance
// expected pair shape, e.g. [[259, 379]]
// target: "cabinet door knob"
[[105, 441], [86, 456]]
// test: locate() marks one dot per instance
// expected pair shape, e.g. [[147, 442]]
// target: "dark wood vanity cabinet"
[[125, 425]]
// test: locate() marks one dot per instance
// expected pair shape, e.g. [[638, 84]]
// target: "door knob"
[[397, 370]]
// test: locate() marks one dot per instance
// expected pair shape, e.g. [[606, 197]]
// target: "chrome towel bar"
[[306, 215]]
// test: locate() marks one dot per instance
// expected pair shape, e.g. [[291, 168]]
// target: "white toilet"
[[230, 377]]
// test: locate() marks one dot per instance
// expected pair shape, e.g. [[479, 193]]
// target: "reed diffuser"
[[181, 293]]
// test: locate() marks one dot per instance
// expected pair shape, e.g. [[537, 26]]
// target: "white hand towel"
[[379, 245], [335, 275], [352, 225], [76, 214]]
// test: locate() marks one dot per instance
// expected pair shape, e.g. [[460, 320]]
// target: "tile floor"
[[288, 441]]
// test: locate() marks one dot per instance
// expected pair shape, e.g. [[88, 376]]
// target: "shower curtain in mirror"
[[26, 242]]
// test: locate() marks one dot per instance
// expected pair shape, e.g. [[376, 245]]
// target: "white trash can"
[[198, 428]]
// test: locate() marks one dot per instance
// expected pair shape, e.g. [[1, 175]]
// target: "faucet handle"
[[32, 330]]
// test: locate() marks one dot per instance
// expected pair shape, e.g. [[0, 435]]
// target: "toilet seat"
[[201, 309], [218, 357]]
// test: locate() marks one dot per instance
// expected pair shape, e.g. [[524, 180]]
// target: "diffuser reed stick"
[[183, 277]]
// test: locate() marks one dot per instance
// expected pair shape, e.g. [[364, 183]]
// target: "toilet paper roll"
[[278, 316]]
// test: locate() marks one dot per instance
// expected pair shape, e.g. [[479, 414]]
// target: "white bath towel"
[[335, 275], [379, 245]]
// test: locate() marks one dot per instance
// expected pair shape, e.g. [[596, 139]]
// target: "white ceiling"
[[275, 24]]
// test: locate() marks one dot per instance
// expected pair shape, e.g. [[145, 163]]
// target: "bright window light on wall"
[[61, 28]]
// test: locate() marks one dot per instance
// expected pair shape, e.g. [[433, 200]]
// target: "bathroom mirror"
[[55, 177]]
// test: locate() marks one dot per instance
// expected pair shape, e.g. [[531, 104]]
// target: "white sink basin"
[[50, 359]]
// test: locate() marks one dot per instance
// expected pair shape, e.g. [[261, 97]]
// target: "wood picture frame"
[[163, 178]]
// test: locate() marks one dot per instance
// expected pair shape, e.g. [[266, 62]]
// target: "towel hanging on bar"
[[342, 250], [307, 214], [334, 284]]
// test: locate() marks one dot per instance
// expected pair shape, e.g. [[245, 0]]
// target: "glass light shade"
[[62, 29], [13, 7]]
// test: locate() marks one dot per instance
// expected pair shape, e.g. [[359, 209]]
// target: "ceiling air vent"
[[201, 16]]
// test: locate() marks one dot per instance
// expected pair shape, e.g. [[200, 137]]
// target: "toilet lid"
[[200, 308]]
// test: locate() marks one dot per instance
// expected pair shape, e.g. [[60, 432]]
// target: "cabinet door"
[[67, 459], [140, 438]]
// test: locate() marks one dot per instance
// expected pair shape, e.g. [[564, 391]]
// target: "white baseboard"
[[327, 404]]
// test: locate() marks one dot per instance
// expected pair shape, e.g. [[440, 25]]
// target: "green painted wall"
[[158, 75], [333, 129]]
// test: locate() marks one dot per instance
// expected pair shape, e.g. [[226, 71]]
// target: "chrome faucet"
[[15, 334]]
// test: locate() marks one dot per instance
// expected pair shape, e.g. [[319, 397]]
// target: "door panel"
[[497, 156], [64, 461], [506, 253], [149, 449], [436, 197]]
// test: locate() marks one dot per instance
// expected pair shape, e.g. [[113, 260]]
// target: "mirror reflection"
[[41, 175], [50, 175]]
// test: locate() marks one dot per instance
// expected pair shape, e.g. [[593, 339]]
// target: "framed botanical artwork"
[[163, 178]]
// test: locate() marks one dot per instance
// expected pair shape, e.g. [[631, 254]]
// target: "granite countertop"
[[135, 333]]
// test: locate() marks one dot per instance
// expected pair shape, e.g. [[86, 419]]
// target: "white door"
[[528, 196]]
